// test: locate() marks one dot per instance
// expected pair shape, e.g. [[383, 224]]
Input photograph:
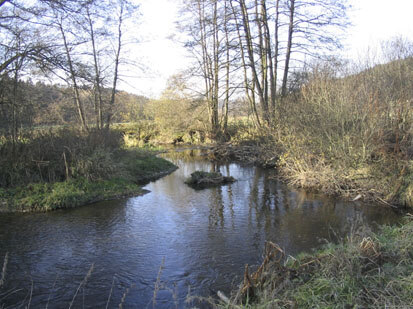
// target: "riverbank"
[[366, 270], [142, 166], [68, 168], [387, 181]]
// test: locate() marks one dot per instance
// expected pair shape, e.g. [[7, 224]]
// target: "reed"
[[82, 284], [3, 269], [367, 270]]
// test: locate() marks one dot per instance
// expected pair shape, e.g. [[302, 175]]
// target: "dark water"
[[197, 240]]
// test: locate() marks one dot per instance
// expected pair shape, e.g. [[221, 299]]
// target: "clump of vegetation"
[[143, 165], [201, 179], [57, 155], [351, 135], [68, 167], [138, 134], [261, 150], [367, 270], [66, 194]]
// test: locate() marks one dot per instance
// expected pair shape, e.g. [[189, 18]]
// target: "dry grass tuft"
[[369, 270]]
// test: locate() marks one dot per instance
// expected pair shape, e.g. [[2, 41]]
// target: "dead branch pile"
[[273, 275], [247, 152], [205, 179], [271, 272]]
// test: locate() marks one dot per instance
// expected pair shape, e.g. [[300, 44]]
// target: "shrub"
[[54, 155]]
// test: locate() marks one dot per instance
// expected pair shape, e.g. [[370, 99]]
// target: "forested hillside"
[[52, 105]]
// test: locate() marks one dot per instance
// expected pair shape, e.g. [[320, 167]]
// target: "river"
[[184, 241]]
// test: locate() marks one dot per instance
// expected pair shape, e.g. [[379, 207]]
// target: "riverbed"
[[174, 242]]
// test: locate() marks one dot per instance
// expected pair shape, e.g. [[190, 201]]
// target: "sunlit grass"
[[367, 270]]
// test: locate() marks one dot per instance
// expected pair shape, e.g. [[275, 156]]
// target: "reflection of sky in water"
[[205, 236]]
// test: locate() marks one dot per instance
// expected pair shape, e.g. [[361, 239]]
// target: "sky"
[[373, 21]]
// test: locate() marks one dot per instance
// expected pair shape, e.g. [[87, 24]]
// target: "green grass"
[[368, 270], [143, 165], [67, 194], [136, 166]]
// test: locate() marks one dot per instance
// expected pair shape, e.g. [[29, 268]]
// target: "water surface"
[[193, 241]]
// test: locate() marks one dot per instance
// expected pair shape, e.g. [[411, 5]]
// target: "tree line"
[[43, 105], [77, 43]]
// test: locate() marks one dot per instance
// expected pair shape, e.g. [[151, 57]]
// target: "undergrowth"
[[367, 270], [350, 135], [58, 154], [67, 168]]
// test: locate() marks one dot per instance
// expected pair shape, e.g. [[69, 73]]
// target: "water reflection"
[[205, 236]]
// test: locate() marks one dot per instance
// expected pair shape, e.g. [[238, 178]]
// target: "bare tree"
[[288, 31], [60, 16], [117, 55], [210, 39]]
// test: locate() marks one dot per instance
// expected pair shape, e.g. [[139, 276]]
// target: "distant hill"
[[43, 104]]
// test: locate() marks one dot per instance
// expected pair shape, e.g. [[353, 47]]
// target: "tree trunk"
[[251, 97], [78, 101], [215, 118], [263, 57], [97, 90], [289, 45], [269, 57], [117, 59], [227, 68], [250, 51]]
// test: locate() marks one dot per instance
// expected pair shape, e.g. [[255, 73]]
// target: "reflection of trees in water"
[[270, 210], [230, 197], [216, 212], [185, 156], [294, 218], [263, 200], [220, 197]]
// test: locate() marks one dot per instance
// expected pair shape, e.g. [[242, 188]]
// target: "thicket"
[[351, 133]]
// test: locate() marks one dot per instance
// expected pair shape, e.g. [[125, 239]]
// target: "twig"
[[158, 282], [123, 298], [110, 293], [50, 294], [224, 298], [386, 203], [89, 273], [3, 271], [9, 292], [31, 294], [27, 295]]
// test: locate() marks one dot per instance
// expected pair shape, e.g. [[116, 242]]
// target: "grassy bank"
[[67, 168], [366, 271], [66, 194]]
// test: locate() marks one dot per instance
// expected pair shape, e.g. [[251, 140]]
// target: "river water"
[[184, 241]]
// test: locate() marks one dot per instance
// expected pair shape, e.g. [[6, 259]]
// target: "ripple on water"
[[199, 239]]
